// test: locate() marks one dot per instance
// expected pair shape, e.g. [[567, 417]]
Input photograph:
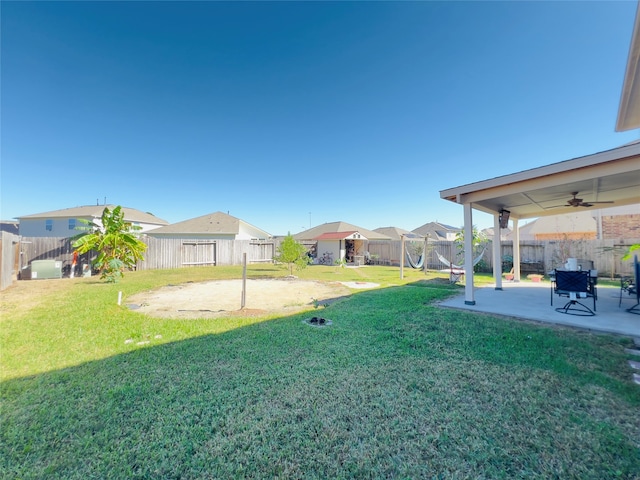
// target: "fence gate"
[[261, 251], [198, 252]]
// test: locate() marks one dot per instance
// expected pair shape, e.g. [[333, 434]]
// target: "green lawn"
[[395, 388]]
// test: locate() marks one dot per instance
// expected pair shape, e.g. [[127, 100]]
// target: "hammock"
[[418, 264], [459, 267]]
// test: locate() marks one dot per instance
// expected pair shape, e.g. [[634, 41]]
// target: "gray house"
[[397, 233], [437, 231], [64, 223]]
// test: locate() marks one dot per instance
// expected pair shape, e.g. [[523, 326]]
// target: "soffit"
[[611, 176]]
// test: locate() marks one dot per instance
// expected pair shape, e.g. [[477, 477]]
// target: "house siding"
[[621, 226], [37, 227]]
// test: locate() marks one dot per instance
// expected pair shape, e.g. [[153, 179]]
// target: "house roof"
[[489, 232], [629, 109], [397, 233], [212, 223], [435, 230], [609, 176], [315, 232], [95, 211]]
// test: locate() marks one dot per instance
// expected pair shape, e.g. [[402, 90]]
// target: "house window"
[[72, 224], [48, 225]]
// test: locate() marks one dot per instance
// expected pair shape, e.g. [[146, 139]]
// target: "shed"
[[339, 241]]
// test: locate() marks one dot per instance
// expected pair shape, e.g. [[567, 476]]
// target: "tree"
[[116, 242], [292, 253], [632, 248], [478, 239]]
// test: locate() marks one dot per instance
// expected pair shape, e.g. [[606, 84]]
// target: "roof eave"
[[629, 109]]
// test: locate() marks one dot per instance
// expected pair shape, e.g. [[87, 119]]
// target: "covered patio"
[[608, 178], [604, 179], [532, 301]]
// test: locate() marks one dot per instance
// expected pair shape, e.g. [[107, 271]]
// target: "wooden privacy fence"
[[605, 254], [10, 260], [179, 252], [535, 256], [50, 248], [163, 253]]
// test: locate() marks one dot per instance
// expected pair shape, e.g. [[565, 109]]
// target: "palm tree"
[[116, 242]]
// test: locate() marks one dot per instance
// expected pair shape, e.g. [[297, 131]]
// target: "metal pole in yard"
[[424, 253], [244, 281], [401, 256]]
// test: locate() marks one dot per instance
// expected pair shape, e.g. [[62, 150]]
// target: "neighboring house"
[[610, 223], [504, 233], [619, 222], [437, 231], [339, 241], [213, 226], [570, 226], [64, 223], [396, 233]]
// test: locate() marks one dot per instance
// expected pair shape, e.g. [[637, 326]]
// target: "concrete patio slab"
[[532, 301]]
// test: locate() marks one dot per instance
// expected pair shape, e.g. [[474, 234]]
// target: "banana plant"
[[116, 242]]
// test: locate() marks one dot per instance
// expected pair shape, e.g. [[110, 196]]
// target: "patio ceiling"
[[609, 176]]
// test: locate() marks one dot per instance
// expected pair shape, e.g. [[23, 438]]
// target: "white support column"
[[516, 251], [469, 298], [497, 252]]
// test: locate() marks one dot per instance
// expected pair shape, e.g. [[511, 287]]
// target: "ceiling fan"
[[577, 202]]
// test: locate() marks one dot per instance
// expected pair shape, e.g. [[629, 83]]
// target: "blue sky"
[[289, 114]]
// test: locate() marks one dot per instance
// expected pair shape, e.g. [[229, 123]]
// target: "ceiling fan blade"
[[557, 206]]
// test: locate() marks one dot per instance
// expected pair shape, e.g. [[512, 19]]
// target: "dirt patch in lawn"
[[24, 295], [223, 297]]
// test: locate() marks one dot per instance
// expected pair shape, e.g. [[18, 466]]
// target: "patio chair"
[[575, 285], [632, 289], [509, 276], [626, 288]]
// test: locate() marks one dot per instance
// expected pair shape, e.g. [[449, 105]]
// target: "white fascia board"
[[570, 167]]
